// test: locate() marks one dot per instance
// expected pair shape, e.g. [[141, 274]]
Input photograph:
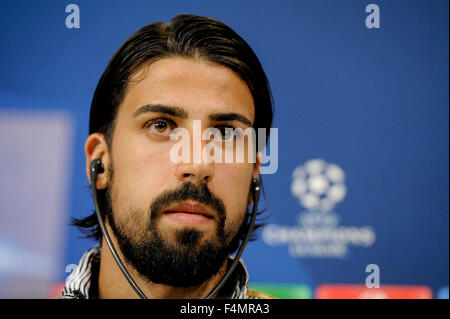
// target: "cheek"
[[141, 171], [234, 184]]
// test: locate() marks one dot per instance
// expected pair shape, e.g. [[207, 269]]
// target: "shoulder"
[[251, 293]]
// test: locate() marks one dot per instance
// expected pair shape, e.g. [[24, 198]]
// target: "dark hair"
[[188, 36]]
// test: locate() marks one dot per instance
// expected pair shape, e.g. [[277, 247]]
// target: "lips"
[[185, 208]]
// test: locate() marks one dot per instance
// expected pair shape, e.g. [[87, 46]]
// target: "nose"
[[195, 173], [197, 170]]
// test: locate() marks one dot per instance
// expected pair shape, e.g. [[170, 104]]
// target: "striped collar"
[[82, 282]]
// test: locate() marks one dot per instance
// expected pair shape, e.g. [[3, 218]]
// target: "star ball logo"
[[319, 187]]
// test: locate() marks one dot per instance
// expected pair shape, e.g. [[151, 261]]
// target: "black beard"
[[186, 263]]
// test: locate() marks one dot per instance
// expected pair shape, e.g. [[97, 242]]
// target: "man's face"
[[152, 197]]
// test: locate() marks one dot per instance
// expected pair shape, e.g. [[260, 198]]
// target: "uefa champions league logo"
[[319, 185]]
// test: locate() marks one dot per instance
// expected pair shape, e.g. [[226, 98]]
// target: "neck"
[[112, 284]]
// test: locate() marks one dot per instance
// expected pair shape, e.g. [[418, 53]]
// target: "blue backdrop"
[[364, 109]]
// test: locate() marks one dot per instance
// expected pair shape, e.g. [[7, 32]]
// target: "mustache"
[[188, 191]]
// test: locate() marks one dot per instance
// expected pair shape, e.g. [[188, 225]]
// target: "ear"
[[257, 165], [255, 174], [96, 147]]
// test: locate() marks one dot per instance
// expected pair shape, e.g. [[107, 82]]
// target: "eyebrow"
[[164, 109], [220, 117], [176, 111]]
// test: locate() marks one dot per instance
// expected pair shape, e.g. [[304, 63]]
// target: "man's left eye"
[[226, 132]]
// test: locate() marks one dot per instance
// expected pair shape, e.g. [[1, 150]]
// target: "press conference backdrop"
[[361, 193]]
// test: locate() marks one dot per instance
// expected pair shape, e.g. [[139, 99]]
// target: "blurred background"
[[359, 205]]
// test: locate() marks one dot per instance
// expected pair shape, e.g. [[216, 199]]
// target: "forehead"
[[199, 87]]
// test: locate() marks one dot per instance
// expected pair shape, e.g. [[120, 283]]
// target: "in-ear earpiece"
[[97, 166], [256, 184]]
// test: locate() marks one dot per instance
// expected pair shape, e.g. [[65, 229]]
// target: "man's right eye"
[[160, 126]]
